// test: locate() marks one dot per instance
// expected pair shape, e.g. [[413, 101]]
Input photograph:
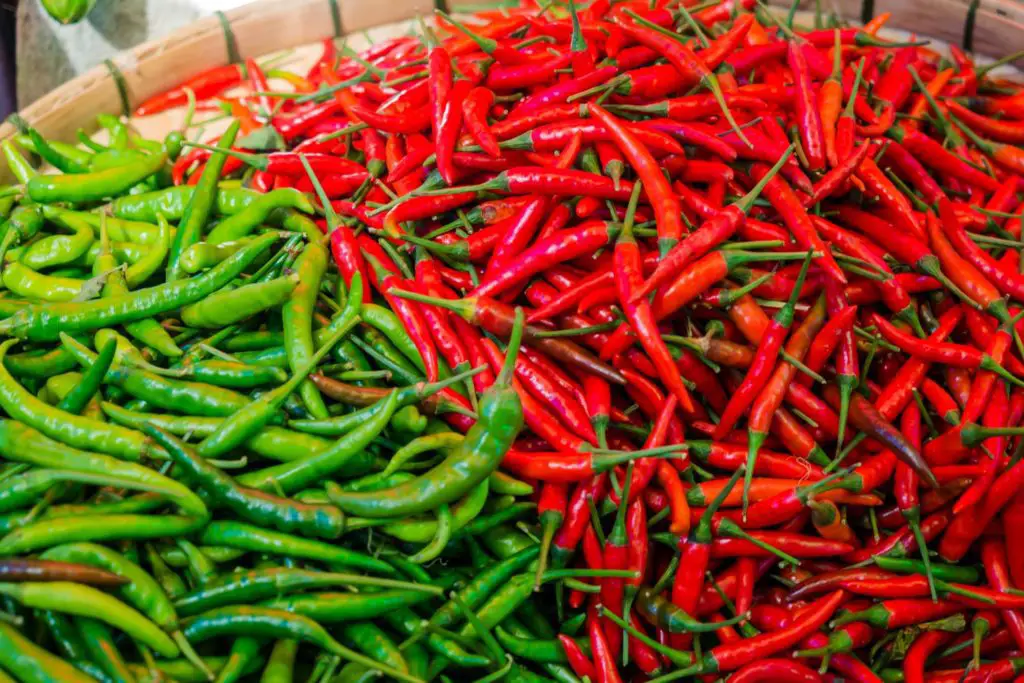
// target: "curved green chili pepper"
[[99, 641], [297, 320], [92, 187], [24, 224], [262, 584], [172, 202], [86, 601], [264, 622], [335, 608], [45, 322], [121, 230], [255, 539], [204, 255], [244, 656], [275, 443], [372, 641], [56, 250], [224, 373], [121, 527], [83, 392], [256, 213], [473, 461], [29, 662], [64, 633], [172, 584], [298, 474], [160, 245], [229, 306], [69, 429], [421, 531], [250, 504], [197, 212], [281, 663], [181, 396], [26, 282], [78, 158], [148, 331]]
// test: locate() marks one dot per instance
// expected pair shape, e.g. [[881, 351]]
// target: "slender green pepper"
[[172, 202], [82, 600], [204, 255], [245, 651], [372, 641], [275, 443], [336, 608], [99, 641], [263, 584], [297, 319], [230, 306], [298, 474], [92, 187], [45, 322], [29, 662], [473, 461], [250, 504], [266, 622], [148, 331], [255, 539], [73, 430], [281, 663], [24, 224], [56, 250], [190, 229], [244, 222]]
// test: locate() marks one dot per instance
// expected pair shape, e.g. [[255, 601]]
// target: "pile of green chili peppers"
[[159, 424]]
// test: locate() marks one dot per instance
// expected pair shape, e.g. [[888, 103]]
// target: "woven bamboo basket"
[[989, 28]]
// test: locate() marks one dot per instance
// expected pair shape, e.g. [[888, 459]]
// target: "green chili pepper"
[[29, 662], [244, 656], [190, 229], [229, 306], [281, 663], [332, 608], [95, 186], [250, 504], [255, 539], [173, 201], [56, 250], [24, 224], [298, 474], [473, 461], [148, 331], [82, 600], [262, 584], [256, 213], [297, 319], [99, 641], [275, 443], [73, 430], [45, 322], [204, 255], [372, 641], [65, 635]]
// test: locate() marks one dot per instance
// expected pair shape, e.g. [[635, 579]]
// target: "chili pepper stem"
[[922, 545], [846, 384]]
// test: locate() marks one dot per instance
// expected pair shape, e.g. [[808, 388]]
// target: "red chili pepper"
[[205, 85], [730, 656], [581, 665]]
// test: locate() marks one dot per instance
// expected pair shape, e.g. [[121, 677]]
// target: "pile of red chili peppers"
[[793, 252]]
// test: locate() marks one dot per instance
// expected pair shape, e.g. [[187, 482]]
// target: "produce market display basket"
[[990, 28]]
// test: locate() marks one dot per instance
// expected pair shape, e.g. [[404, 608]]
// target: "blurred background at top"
[[38, 53]]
